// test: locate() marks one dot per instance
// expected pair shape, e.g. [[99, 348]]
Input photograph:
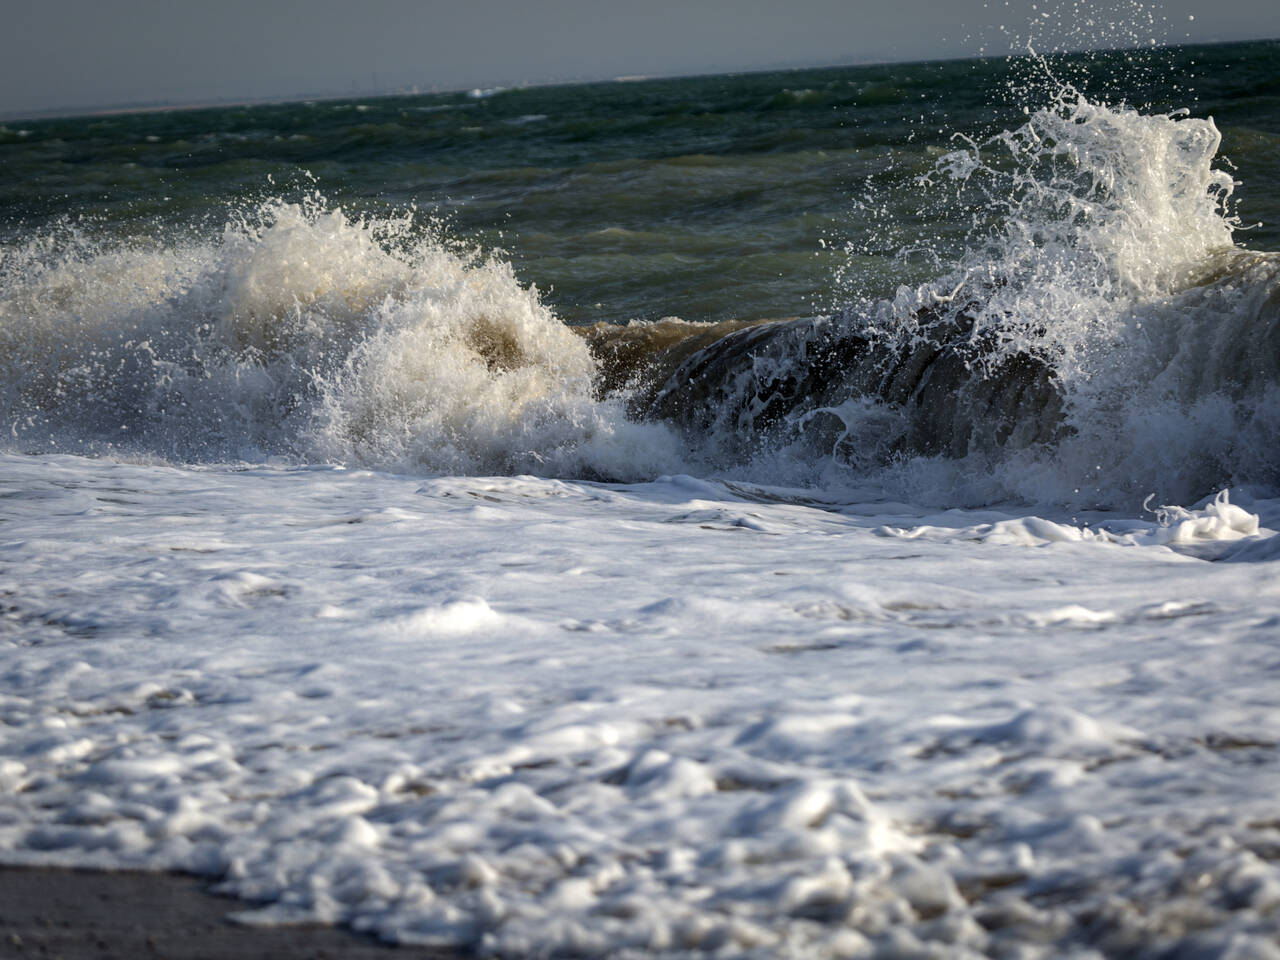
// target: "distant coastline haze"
[[77, 56]]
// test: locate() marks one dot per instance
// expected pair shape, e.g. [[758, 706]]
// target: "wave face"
[[1102, 339], [302, 333]]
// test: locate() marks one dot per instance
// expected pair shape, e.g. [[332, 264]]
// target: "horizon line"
[[164, 106]]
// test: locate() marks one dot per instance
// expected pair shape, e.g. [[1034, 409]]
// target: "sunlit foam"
[[302, 332]]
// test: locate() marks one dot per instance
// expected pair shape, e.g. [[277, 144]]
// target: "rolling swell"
[[810, 380], [1182, 396], [794, 377]]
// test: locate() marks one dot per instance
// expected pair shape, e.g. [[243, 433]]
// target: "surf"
[[1097, 337], [306, 334], [1101, 338]]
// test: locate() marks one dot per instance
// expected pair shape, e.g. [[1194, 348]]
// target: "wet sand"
[[95, 915]]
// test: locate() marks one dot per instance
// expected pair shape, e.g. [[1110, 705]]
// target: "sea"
[[815, 514]]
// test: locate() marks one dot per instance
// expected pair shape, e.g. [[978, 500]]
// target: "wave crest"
[[1100, 339], [304, 333]]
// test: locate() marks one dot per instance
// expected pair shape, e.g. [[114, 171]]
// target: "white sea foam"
[[1105, 251], [304, 333], [532, 717]]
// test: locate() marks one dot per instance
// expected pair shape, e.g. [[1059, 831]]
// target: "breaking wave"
[[306, 334], [1101, 339]]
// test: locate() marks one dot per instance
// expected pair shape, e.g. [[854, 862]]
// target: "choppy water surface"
[[706, 198]]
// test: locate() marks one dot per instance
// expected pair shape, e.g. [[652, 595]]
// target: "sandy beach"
[[98, 915]]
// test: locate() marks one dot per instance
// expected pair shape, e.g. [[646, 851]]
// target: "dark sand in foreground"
[[94, 915]]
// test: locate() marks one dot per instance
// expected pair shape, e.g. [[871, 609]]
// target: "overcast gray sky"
[[65, 54]]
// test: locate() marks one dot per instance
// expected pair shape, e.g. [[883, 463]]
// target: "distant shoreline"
[[73, 113]]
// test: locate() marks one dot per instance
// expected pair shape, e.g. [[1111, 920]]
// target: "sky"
[[80, 54]]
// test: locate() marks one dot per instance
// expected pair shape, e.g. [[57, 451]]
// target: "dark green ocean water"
[[707, 198]]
